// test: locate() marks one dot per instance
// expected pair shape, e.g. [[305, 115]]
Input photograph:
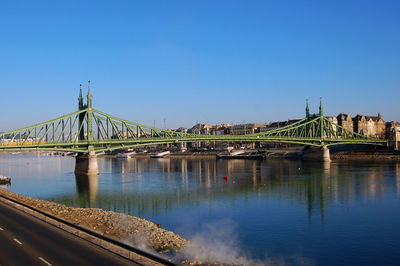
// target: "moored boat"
[[5, 180], [161, 154]]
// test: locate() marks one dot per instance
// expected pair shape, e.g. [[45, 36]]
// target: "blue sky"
[[188, 61]]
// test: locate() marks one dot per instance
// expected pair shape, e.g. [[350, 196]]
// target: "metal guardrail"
[[145, 254]]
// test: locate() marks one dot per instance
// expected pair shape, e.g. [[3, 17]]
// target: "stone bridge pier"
[[86, 164], [316, 154]]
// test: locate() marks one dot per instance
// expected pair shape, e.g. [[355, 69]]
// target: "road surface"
[[26, 240]]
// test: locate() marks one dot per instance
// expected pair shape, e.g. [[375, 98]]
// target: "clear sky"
[[187, 61]]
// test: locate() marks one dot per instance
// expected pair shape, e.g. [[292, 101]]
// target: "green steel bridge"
[[89, 130]]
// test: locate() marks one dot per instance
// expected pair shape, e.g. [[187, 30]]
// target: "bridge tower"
[[90, 121], [321, 120], [81, 135], [325, 151], [86, 164], [317, 154]]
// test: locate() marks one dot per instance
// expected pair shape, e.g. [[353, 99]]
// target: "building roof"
[[343, 116]]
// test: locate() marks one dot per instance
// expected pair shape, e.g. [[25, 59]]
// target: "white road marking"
[[16, 240], [45, 261]]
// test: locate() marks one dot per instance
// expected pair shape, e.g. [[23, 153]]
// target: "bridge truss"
[[88, 130]]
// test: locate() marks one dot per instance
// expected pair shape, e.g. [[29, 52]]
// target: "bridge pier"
[[86, 164], [316, 154]]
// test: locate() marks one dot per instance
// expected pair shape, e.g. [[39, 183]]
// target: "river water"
[[275, 212]]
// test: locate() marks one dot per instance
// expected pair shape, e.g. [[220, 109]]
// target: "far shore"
[[294, 153], [285, 153]]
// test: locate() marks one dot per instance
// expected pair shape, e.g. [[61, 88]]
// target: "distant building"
[[223, 129], [182, 129], [246, 129], [376, 126], [345, 121], [370, 126], [243, 129], [360, 124], [276, 125], [202, 129]]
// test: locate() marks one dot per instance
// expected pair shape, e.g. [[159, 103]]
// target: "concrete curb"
[[107, 243]]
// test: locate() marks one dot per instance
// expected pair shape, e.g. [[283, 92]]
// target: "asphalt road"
[[26, 240]]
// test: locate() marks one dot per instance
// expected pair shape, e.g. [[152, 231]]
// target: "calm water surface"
[[293, 212]]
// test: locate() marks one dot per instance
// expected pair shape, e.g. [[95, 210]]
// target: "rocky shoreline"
[[125, 228]]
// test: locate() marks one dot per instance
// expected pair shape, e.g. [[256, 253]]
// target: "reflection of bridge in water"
[[188, 182]]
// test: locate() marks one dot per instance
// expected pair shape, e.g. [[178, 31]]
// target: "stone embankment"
[[125, 228], [366, 155]]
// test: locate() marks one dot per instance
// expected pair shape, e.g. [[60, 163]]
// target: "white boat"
[[233, 153], [124, 155], [5, 179], [161, 154]]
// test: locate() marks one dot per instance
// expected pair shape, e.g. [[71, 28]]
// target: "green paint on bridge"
[[89, 130]]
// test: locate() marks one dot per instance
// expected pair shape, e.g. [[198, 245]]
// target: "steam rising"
[[217, 243]]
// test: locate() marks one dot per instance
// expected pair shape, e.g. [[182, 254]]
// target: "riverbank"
[[366, 155], [289, 153], [133, 231], [295, 153], [125, 228]]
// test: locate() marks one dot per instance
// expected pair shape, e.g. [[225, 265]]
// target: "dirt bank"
[[123, 227]]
